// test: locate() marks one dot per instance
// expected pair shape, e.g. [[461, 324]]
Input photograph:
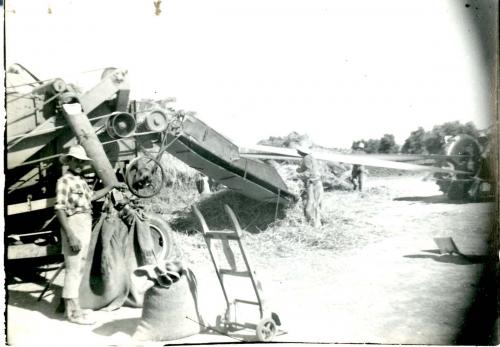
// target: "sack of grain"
[[170, 309]]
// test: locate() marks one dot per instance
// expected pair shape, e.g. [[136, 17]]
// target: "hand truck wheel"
[[220, 325], [266, 330]]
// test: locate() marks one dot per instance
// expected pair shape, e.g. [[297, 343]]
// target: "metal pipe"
[[85, 132]]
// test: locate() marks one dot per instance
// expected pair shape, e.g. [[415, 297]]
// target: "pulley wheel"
[[157, 121], [145, 177]]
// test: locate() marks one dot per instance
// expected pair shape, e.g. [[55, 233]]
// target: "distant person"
[[203, 185], [313, 186], [358, 173], [483, 167]]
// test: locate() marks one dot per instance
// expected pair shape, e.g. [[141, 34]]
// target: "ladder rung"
[[246, 302], [222, 235], [234, 273]]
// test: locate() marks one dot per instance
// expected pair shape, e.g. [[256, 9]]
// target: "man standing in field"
[[358, 173], [313, 186], [73, 210]]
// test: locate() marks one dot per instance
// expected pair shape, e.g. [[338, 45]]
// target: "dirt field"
[[386, 283]]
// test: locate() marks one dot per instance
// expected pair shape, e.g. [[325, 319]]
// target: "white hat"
[[76, 151]]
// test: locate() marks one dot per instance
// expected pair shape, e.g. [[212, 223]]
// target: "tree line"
[[420, 141]]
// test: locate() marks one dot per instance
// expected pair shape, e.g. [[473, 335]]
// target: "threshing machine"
[[125, 141]]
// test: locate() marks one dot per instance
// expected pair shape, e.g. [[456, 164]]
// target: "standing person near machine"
[[313, 186], [358, 173], [73, 210], [483, 174]]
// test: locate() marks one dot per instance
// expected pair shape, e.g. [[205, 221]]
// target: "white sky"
[[336, 70]]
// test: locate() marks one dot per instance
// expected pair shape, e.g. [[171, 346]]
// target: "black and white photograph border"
[[219, 171]]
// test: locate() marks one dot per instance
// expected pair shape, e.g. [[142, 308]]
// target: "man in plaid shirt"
[[73, 209]]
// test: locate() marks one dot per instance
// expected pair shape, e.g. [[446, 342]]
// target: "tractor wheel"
[[161, 233]]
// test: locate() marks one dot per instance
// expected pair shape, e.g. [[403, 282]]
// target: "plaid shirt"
[[73, 194]]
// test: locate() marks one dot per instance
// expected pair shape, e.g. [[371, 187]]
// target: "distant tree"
[[295, 139], [355, 144], [275, 141], [291, 140], [372, 146], [388, 144], [433, 141], [415, 143]]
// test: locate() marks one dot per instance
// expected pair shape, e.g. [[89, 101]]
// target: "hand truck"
[[266, 328]]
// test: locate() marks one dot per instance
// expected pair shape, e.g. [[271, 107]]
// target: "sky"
[[336, 70]]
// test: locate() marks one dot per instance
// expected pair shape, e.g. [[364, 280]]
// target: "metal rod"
[[32, 234], [107, 142], [277, 205], [246, 302], [35, 110], [48, 131], [35, 133], [38, 160], [32, 91], [29, 83]]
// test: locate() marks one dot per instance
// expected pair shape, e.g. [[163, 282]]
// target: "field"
[[371, 274]]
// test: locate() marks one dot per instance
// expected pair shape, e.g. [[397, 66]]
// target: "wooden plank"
[[222, 235], [30, 206], [108, 87], [22, 149], [234, 273], [31, 250]]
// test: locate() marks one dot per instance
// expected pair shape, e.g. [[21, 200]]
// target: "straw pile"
[[254, 216]]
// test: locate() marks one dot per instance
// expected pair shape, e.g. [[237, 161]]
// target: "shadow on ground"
[[126, 325], [29, 300], [457, 259], [253, 216], [440, 199], [434, 199]]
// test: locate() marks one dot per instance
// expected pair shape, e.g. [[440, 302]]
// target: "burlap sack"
[[170, 313], [105, 283]]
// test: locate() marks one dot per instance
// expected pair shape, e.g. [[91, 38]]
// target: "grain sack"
[[105, 283], [170, 308]]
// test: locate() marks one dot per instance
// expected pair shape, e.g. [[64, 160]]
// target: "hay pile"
[[177, 173], [335, 176], [254, 216]]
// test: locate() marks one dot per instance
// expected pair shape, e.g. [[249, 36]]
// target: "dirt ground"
[[392, 288]]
